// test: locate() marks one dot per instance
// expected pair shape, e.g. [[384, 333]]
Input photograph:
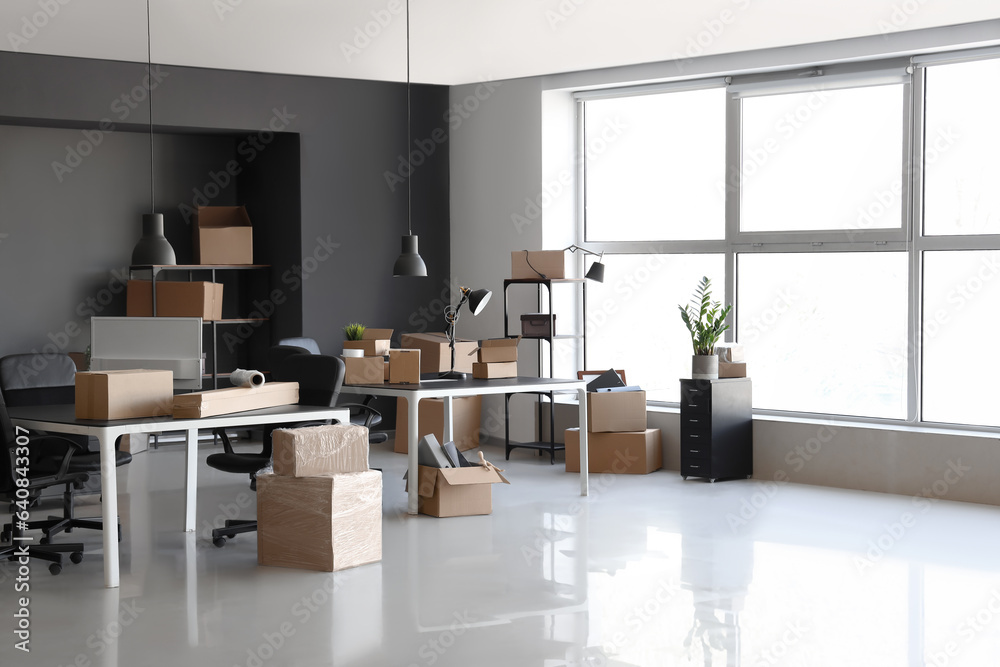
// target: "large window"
[[850, 214]]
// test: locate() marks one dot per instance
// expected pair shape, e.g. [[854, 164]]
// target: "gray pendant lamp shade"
[[596, 272], [153, 247], [409, 262]]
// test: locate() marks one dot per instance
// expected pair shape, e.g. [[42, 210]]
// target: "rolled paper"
[[244, 378]]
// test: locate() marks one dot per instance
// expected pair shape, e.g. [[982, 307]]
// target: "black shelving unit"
[[550, 446], [154, 270]]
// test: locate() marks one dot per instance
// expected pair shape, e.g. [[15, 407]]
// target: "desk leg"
[[448, 429], [191, 480], [412, 498], [584, 449], [109, 510]]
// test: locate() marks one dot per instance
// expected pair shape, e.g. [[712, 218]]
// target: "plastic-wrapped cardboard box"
[[174, 299], [127, 394], [235, 399], [404, 366], [223, 235], [636, 453], [528, 264], [323, 522], [320, 450], [374, 342], [466, 413], [616, 411], [448, 492], [435, 352]]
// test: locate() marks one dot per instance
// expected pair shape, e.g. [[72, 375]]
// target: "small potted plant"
[[705, 320], [354, 331]]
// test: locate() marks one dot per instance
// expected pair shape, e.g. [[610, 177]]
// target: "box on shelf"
[[616, 411], [174, 299], [448, 492], [404, 366], [234, 399], [364, 370], [374, 342], [127, 394], [538, 325], [498, 349], [732, 370], [223, 235], [550, 263], [435, 353], [494, 370], [323, 522], [635, 453], [465, 416], [320, 450]]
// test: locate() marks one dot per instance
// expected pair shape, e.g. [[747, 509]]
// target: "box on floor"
[[465, 417], [634, 453], [446, 492], [616, 411]]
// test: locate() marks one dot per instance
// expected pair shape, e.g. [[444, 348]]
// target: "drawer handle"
[[693, 466], [693, 421], [692, 435], [694, 451]]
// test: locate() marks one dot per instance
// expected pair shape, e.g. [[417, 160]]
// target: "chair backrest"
[[309, 344], [320, 377], [277, 354], [7, 440], [38, 379]]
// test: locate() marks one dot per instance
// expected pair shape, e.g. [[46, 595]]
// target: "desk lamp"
[[477, 300]]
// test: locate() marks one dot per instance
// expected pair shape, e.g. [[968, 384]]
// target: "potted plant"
[[705, 320], [354, 331]]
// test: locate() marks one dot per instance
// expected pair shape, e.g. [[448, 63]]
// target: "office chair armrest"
[[55, 446], [363, 407]]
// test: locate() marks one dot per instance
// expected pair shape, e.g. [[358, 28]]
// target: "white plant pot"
[[704, 367]]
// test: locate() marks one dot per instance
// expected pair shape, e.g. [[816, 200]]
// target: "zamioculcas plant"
[[354, 331], [705, 319]]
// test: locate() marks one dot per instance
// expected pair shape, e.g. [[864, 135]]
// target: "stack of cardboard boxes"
[[618, 440], [321, 509], [371, 368], [497, 359]]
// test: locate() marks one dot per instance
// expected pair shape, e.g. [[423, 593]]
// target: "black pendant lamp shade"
[[596, 272], [153, 247], [409, 262]]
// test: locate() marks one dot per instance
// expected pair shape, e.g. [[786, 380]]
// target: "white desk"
[[62, 419], [448, 389]]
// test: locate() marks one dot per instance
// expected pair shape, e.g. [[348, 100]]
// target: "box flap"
[[434, 337], [376, 334], [222, 216], [500, 342], [473, 475]]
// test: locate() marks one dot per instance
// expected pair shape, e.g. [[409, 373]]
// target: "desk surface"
[[66, 414], [432, 384]]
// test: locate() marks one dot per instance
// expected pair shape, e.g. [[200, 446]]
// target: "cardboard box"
[[174, 299], [538, 325], [404, 366], [636, 453], [128, 394], [235, 399], [374, 342], [134, 443], [498, 349], [551, 263], [435, 353], [324, 522], [320, 450], [364, 370], [465, 417], [616, 411], [385, 371], [732, 370], [494, 370], [456, 491], [223, 235]]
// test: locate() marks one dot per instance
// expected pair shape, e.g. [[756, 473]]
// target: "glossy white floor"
[[648, 570]]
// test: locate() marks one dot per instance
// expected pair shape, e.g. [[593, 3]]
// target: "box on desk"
[[448, 492], [498, 350], [365, 370], [435, 352], [465, 417], [528, 264], [174, 299], [374, 342], [223, 235], [126, 394], [636, 453], [235, 399], [494, 370], [404, 366], [320, 450], [616, 411], [322, 522]]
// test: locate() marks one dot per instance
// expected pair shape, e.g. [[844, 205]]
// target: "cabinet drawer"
[[696, 468], [695, 399], [695, 420], [694, 450]]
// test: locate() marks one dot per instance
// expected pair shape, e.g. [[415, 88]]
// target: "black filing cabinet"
[[716, 428]]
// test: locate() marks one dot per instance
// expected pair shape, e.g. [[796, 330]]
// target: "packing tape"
[[353, 353]]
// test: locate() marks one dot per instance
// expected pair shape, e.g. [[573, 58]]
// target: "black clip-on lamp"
[[477, 300], [596, 272]]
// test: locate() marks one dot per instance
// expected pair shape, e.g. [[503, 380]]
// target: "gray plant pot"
[[704, 367]]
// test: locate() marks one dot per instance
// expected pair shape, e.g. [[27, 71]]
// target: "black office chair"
[[48, 460], [37, 379], [320, 378], [362, 414]]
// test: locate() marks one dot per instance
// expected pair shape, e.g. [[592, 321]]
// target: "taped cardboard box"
[[374, 342], [223, 235], [616, 411], [435, 352], [320, 450], [550, 263], [125, 394], [465, 417], [494, 370], [174, 299], [365, 370], [235, 399], [498, 350], [404, 366], [323, 522], [448, 492], [636, 453]]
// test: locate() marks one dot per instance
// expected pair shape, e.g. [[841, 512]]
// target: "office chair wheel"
[[219, 542], [4, 537], [76, 556], [55, 568], [44, 539]]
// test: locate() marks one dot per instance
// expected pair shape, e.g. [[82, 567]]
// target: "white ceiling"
[[452, 41]]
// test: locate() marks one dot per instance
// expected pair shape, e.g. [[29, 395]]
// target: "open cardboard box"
[[223, 235], [435, 352], [448, 492]]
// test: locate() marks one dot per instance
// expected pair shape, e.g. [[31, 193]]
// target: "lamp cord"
[[528, 261], [149, 80], [409, 178]]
